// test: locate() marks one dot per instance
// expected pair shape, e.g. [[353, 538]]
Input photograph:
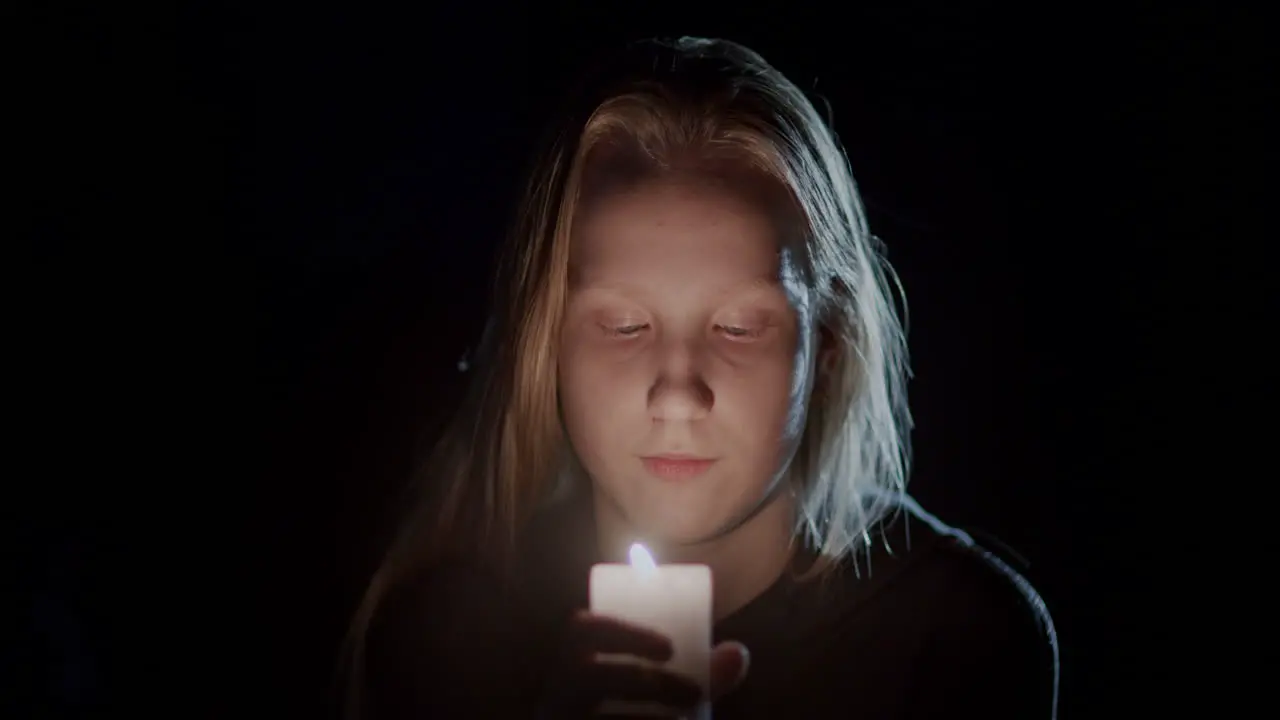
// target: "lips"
[[675, 467]]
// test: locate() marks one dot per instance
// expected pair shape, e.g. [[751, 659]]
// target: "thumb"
[[729, 663]]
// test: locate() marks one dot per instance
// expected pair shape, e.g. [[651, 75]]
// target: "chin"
[[674, 514], [683, 527]]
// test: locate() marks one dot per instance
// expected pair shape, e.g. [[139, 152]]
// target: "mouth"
[[676, 467]]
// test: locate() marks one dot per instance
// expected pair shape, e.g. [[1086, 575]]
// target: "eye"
[[736, 332], [630, 330]]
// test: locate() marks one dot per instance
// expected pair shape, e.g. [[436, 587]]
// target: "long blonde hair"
[[665, 105]]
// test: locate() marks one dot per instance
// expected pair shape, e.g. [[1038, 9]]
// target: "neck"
[[744, 563]]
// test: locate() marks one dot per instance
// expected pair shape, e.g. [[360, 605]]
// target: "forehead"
[[675, 231]]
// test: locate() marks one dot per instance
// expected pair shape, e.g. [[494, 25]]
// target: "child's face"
[[686, 335]]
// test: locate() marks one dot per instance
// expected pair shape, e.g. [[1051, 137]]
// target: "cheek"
[[573, 387], [591, 401], [758, 404], [755, 401], [584, 377]]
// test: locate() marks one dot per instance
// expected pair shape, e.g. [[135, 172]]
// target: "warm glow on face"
[[681, 337], [641, 559]]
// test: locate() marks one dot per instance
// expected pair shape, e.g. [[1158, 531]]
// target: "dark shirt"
[[923, 624]]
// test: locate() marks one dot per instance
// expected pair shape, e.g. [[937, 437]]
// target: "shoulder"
[[975, 584], [987, 638]]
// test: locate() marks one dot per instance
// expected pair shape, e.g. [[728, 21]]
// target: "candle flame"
[[640, 558]]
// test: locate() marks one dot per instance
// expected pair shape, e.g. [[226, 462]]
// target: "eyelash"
[[731, 331], [739, 333], [626, 331]]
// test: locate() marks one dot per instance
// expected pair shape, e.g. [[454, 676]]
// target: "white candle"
[[674, 600]]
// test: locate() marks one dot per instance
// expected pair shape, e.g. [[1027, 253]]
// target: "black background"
[[262, 245]]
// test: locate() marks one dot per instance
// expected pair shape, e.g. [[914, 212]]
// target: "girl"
[[695, 346]]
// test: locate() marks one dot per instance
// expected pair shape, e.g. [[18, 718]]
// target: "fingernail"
[[746, 661]]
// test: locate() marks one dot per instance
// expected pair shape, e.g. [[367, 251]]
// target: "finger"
[[600, 634], [729, 664], [629, 682]]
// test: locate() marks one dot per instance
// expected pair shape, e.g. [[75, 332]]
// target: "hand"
[[582, 682]]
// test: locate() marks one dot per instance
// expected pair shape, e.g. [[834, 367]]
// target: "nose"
[[679, 391]]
